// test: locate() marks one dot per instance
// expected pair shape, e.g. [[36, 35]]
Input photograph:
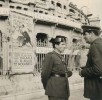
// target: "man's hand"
[[69, 73]]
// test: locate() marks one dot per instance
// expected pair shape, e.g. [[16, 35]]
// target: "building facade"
[[26, 26]]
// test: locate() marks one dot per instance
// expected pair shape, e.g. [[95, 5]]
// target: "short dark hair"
[[55, 43]]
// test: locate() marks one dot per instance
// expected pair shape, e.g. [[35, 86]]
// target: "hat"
[[58, 39], [88, 28]]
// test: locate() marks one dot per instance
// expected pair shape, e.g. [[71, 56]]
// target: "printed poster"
[[22, 43]]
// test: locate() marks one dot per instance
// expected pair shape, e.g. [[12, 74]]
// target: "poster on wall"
[[22, 43]]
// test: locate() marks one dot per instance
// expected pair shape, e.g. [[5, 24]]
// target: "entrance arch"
[[42, 39]]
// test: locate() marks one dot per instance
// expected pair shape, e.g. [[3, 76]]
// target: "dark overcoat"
[[54, 86], [93, 71]]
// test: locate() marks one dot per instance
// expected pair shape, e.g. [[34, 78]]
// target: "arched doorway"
[[42, 39]]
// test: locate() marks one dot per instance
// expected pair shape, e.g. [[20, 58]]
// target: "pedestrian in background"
[[92, 72], [1, 64], [55, 73]]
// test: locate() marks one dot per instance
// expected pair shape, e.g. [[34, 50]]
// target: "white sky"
[[94, 7]]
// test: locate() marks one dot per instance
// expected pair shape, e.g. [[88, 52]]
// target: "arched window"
[[65, 7], [11, 6], [35, 10], [18, 7], [59, 5], [25, 8], [0, 5], [71, 10], [52, 2], [42, 39], [40, 11]]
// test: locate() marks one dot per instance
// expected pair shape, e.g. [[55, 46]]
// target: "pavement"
[[76, 89], [37, 92], [75, 95]]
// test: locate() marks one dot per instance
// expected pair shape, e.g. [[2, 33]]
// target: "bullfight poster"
[[22, 43]]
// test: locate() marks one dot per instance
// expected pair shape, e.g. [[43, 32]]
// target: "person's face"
[[87, 37], [61, 47]]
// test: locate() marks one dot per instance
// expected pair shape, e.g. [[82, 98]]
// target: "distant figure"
[[92, 72], [1, 65], [78, 55]]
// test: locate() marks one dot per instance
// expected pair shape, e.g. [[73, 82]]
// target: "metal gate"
[[73, 62]]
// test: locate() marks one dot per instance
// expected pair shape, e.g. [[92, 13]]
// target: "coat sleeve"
[[95, 67], [46, 69]]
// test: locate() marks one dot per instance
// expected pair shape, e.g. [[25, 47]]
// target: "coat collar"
[[59, 55], [96, 41]]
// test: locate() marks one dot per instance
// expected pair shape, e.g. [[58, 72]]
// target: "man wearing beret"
[[92, 72], [55, 74]]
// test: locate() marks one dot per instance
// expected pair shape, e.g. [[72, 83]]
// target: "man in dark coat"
[[55, 74], [92, 72]]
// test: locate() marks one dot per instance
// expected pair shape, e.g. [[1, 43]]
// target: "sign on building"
[[22, 43]]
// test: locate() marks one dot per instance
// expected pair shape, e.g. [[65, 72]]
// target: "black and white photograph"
[[50, 50]]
